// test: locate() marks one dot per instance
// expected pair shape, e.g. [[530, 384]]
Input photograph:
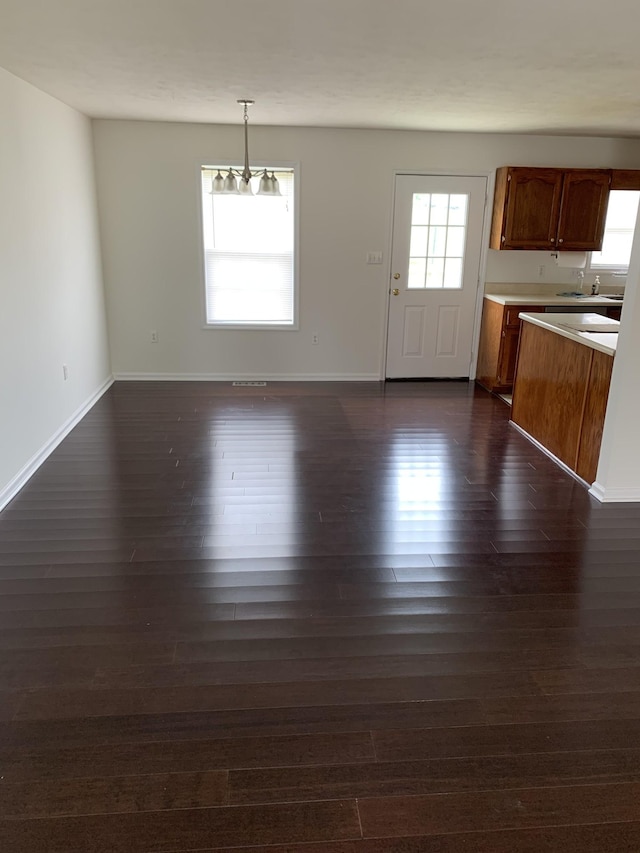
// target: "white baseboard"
[[548, 453], [27, 471], [624, 495], [245, 377], [599, 492]]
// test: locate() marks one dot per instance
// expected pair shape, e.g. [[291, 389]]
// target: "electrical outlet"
[[541, 271], [154, 337], [315, 338], [65, 372]]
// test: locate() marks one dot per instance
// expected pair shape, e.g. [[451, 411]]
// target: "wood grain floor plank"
[[152, 757], [437, 776], [56, 704], [236, 723], [116, 795], [570, 706], [589, 838], [541, 629], [507, 739], [262, 671], [521, 808], [609, 642], [186, 829]]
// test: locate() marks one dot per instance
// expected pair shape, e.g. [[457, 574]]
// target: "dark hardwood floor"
[[334, 618]]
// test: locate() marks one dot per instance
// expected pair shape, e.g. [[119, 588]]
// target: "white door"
[[435, 262]]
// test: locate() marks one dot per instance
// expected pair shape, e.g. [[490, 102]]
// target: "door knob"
[[396, 275], [395, 291]]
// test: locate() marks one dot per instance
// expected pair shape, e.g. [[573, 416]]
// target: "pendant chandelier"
[[237, 182]]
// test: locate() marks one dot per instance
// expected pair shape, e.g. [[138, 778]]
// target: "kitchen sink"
[[577, 294]]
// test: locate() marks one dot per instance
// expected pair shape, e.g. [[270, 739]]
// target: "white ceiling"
[[543, 66]]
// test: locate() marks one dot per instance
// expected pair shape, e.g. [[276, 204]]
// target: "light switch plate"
[[374, 257]]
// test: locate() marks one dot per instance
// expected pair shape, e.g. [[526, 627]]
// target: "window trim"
[[618, 270], [252, 327]]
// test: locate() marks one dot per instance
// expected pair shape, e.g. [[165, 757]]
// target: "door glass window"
[[438, 230]]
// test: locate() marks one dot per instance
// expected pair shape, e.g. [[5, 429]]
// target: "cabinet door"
[[531, 209], [585, 195], [511, 329], [507, 358]]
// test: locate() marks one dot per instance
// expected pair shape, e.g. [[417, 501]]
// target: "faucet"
[[595, 287]]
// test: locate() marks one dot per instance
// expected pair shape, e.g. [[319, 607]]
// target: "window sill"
[[253, 327]]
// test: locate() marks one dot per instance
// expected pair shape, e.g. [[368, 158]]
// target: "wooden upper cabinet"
[[625, 179], [549, 209], [527, 208], [585, 195]]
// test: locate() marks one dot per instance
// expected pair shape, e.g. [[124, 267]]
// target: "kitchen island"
[[500, 327], [561, 386]]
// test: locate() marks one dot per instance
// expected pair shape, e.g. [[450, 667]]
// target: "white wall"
[[148, 191], [524, 268], [618, 477], [51, 295]]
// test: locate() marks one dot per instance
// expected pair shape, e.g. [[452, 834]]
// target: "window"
[[438, 224], [618, 232], [249, 255]]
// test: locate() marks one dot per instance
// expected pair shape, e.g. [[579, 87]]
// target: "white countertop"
[[540, 299], [576, 327]]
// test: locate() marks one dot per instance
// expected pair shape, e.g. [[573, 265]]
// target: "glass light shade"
[[275, 186], [266, 185], [230, 184], [244, 187], [218, 184]]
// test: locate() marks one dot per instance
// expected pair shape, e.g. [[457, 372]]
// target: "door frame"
[[482, 268]]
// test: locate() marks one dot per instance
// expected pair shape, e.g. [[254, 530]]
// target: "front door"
[[435, 263]]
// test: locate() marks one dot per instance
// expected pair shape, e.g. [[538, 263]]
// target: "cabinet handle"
[[561, 240], [551, 240]]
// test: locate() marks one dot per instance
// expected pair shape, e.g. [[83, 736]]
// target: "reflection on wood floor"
[[324, 617]]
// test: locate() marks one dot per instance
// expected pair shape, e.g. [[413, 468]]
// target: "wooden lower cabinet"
[[560, 397], [499, 337], [498, 347]]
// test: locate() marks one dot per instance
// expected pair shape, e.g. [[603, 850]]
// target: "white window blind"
[[249, 254]]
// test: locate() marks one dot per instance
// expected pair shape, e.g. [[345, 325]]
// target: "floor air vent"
[[254, 384]]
